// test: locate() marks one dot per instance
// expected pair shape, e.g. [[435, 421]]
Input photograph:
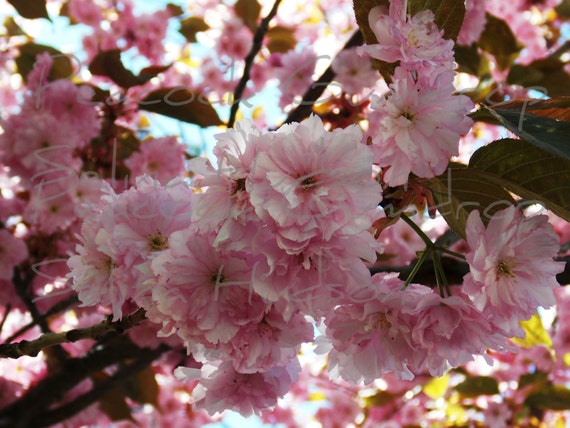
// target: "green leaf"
[[113, 403], [183, 104], [189, 27], [13, 29], [61, 67], [527, 171], [281, 39], [550, 398], [361, 10], [30, 9], [536, 378], [108, 63], [498, 40], [462, 190], [248, 11], [469, 60], [535, 333], [557, 108], [143, 388], [449, 14], [174, 9], [563, 9], [547, 75], [545, 133], [478, 385]]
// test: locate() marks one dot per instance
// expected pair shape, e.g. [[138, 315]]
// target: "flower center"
[[157, 242], [505, 268]]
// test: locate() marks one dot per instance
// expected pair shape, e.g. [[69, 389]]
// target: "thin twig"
[[303, 110], [97, 332], [58, 307], [255, 48]]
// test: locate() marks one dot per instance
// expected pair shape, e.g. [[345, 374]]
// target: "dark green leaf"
[[361, 11], [13, 29], [449, 14], [478, 385], [189, 27], [143, 388], [248, 11], [61, 67], [174, 9], [527, 171], [555, 108], [30, 9], [462, 190], [498, 39], [543, 132], [563, 9], [108, 63], [113, 403], [281, 39], [469, 60], [550, 398], [546, 75], [183, 104], [532, 378]]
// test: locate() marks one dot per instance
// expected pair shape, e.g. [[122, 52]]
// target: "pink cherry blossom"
[[13, 251], [512, 270], [418, 125], [308, 188], [222, 388], [161, 158], [353, 71], [473, 23], [415, 41]]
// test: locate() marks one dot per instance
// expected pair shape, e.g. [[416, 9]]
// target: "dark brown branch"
[[303, 110], [145, 358], [255, 48], [52, 389], [97, 332]]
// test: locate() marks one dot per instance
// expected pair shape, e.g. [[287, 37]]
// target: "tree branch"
[[303, 110], [97, 332], [255, 48], [53, 388]]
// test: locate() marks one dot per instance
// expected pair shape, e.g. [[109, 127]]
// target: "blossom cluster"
[[418, 123]]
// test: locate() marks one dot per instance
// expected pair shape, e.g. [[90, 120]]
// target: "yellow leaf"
[[437, 387], [536, 334]]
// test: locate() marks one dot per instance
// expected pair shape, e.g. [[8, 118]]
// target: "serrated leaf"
[[462, 190], [109, 64], [280, 39], [550, 398], [448, 14], [248, 11], [548, 75], [535, 333], [436, 387], [189, 27], [478, 385], [527, 171], [30, 9], [183, 104], [543, 132], [361, 11], [61, 67], [557, 108], [498, 40]]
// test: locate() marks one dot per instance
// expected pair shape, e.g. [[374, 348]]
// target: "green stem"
[[418, 230], [416, 267], [451, 253]]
